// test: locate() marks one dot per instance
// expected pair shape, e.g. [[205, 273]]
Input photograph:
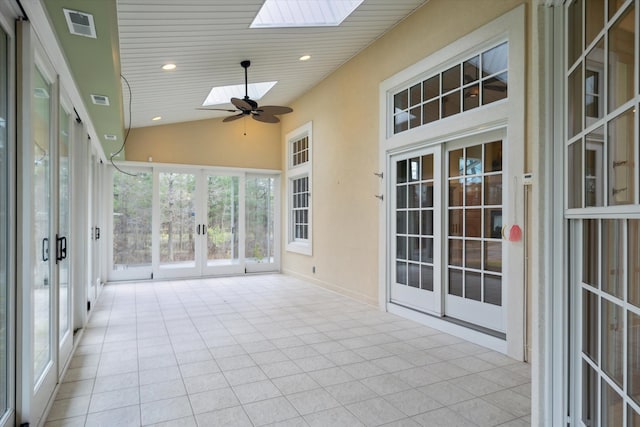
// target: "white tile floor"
[[273, 350]]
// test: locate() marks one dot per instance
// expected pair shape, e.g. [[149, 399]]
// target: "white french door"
[[446, 230], [37, 211], [415, 205], [198, 223], [474, 229], [189, 222]]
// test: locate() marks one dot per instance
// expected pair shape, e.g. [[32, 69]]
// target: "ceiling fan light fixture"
[[304, 13], [169, 67]]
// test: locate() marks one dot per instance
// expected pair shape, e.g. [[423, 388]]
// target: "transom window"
[[479, 80], [300, 151]]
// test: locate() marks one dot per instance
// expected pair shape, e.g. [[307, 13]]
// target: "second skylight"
[[303, 13], [223, 94]]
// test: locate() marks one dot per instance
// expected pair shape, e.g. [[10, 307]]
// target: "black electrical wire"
[[24, 13], [126, 135]]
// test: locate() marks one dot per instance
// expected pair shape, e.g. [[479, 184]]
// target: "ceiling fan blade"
[[274, 109], [241, 104], [232, 118], [265, 118], [216, 109]]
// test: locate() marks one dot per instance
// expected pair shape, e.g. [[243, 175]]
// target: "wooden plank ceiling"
[[207, 39]]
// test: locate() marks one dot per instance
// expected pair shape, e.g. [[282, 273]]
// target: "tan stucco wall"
[[344, 110], [208, 142]]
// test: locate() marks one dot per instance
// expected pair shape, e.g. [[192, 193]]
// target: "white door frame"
[[508, 113]]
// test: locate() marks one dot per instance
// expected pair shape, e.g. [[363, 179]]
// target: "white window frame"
[[304, 170]]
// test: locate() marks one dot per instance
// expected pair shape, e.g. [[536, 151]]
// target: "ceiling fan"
[[248, 107]]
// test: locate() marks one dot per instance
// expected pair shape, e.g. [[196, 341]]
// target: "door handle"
[[61, 248], [97, 233], [204, 229], [45, 249], [198, 230]]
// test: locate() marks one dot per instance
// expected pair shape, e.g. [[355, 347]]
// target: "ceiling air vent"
[[80, 23], [100, 99], [110, 137]]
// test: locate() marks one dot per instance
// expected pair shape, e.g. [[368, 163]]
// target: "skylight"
[[222, 94], [303, 13]]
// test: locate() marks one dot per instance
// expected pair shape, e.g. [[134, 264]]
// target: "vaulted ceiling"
[[206, 40]]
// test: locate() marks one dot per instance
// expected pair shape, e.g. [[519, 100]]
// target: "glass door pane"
[[132, 216], [177, 223], [64, 236], [222, 204], [260, 216], [40, 227]]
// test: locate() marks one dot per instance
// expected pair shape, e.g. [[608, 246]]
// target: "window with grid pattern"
[[479, 80], [299, 180]]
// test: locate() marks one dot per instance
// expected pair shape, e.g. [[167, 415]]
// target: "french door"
[[198, 223], [172, 222], [416, 207], [37, 231], [474, 229], [446, 230]]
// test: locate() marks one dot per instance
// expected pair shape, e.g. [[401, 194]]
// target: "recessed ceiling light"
[[156, 118], [222, 94], [303, 13], [305, 57], [169, 67]]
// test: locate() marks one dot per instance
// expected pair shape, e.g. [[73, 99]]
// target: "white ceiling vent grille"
[[80, 23], [100, 99], [109, 137]]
